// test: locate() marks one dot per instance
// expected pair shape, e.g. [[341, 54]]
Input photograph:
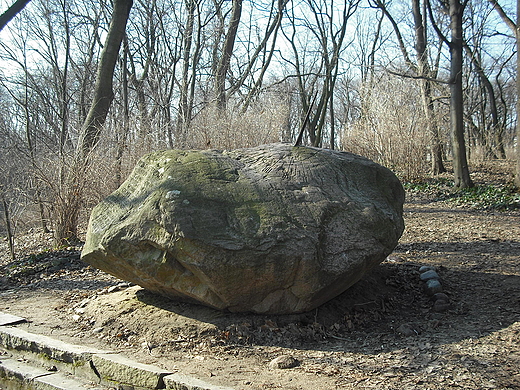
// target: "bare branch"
[[12, 11], [435, 26], [414, 77], [507, 20], [379, 4]]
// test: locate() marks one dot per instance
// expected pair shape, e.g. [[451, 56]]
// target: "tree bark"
[[460, 162]]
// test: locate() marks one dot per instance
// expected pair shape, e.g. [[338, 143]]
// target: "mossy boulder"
[[271, 229]]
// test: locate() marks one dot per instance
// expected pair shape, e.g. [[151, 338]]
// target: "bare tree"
[[69, 207], [327, 23], [455, 10], [227, 51], [423, 71], [103, 92], [515, 28], [494, 129], [271, 33], [189, 62]]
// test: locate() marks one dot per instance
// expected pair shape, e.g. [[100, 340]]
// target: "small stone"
[[407, 330], [76, 317], [112, 289], [97, 330], [433, 286], [283, 362], [425, 268], [441, 306], [441, 297], [428, 275]]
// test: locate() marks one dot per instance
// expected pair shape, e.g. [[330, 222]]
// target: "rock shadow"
[[372, 312]]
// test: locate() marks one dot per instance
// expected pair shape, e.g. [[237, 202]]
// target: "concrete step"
[[28, 357], [18, 375]]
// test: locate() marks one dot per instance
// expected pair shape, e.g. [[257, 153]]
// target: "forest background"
[[87, 87]]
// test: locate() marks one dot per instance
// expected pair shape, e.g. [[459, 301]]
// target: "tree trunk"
[[10, 238], [460, 161], [103, 93], [184, 115], [423, 70], [272, 30], [227, 52], [496, 132], [517, 175], [69, 204], [515, 28], [43, 220], [122, 135]]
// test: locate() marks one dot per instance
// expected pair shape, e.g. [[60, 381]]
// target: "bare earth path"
[[384, 333]]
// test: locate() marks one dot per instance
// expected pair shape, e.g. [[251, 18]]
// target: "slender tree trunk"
[[184, 116], [515, 28], [69, 205], [121, 139], [272, 30], [496, 132], [43, 220], [64, 99], [332, 141], [10, 238], [437, 164], [103, 93], [423, 70], [30, 146], [517, 175], [225, 59], [460, 161]]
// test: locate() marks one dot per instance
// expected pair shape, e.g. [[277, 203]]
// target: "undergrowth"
[[486, 197], [481, 197], [431, 187]]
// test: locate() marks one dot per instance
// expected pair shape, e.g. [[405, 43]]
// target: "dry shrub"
[[212, 128], [392, 128], [231, 129]]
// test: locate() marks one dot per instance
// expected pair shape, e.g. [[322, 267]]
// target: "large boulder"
[[271, 229]]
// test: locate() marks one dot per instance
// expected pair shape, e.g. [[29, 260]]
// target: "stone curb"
[[16, 375], [77, 367], [115, 368], [185, 382]]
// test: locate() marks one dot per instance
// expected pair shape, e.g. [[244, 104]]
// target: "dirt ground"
[[383, 333]]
